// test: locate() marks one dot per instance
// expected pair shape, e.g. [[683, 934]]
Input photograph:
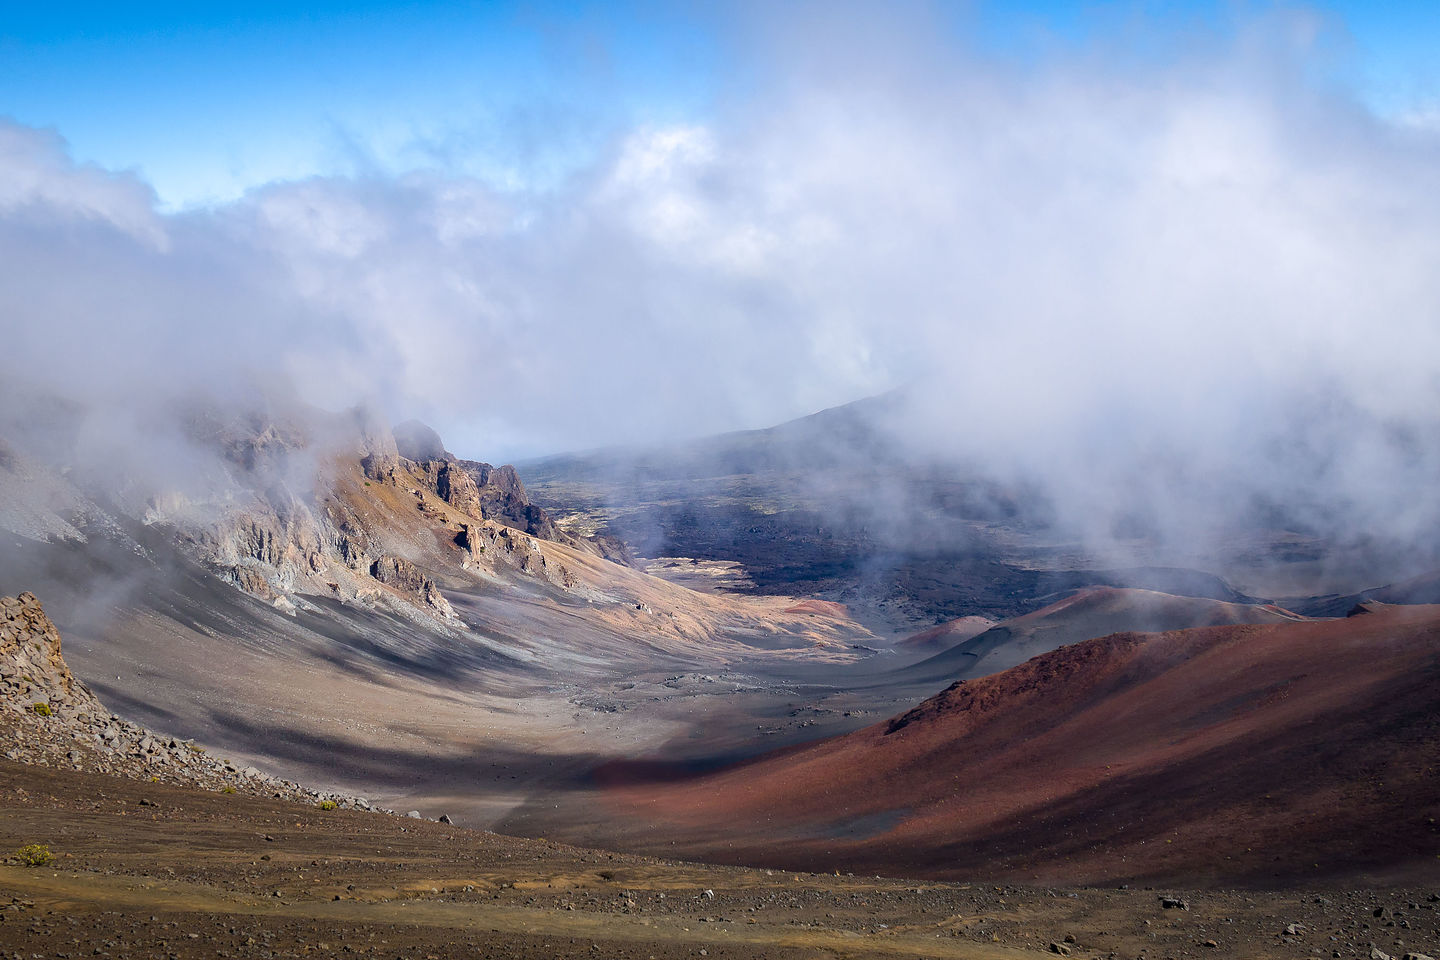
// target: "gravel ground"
[[156, 870]]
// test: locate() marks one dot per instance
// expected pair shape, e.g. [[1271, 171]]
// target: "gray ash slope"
[[49, 717]]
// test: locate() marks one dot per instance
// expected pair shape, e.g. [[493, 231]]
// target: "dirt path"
[[75, 896]]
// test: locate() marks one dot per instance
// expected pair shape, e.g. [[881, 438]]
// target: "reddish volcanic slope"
[[946, 635], [1251, 753]]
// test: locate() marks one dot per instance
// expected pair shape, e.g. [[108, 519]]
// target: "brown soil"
[[148, 870], [1263, 754]]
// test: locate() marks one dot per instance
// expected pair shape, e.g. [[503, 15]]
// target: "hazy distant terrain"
[[837, 505]]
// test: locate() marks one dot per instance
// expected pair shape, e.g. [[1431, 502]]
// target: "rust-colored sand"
[[1253, 753]]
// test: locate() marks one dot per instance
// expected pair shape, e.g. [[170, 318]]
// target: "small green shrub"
[[195, 748], [42, 709], [328, 804], [34, 855], [227, 789]]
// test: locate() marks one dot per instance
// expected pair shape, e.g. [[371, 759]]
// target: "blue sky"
[[205, 100]]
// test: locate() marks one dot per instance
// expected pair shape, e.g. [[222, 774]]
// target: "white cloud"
[[39, 179], [1105, 263]]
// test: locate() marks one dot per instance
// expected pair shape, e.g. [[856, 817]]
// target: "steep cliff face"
[[478, 489]]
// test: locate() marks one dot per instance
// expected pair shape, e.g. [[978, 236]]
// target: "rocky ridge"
[[49, 717], [479, 489], [327, 505]]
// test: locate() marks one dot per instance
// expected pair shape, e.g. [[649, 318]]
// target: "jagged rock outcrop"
[[502, 498], [49, 717], [30, 661], [491, 546], [304, 502], [267, 546], [458, 488], [479, 489], [403, 575]]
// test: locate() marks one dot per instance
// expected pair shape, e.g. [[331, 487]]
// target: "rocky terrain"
[[326, 534], [49, 718], [121, 841]]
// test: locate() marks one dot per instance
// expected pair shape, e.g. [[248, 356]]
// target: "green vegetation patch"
[[34, 855]]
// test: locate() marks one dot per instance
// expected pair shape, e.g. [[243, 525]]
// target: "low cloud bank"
[[1174, 291]]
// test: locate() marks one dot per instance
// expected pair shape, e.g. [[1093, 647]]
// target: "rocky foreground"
[[154, 870], [49, 717]]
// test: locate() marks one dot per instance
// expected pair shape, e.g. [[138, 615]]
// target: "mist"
[[1174, 285]]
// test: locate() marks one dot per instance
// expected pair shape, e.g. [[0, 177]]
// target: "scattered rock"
[[1174, 903], [1060, 948]]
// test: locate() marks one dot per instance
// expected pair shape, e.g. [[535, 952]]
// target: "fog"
[[1185, 282]]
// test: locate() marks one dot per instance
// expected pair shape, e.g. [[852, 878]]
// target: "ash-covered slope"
[[49, 717], [1090, 612], [1248, 753]]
